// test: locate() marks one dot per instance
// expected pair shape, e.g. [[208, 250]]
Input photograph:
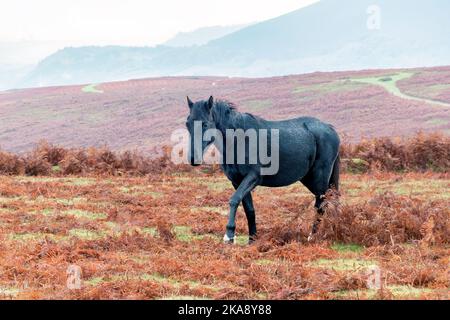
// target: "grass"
[[342, 248], [33, 236], [389, 83], [437, 122], [86, 214], [86, 234], [185, 234], [398, 291], [91, 89], [327, 88], [9, 292], [264, 262], [208, 209], [342, 264], [257, 105], [141, 190], [80, 182], [154, 277], [41, 233], [71, 202]]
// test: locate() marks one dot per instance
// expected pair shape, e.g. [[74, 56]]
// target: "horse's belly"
[[294, 164], [283, 179], [288, 173]]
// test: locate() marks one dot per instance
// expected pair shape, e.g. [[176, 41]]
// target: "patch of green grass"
[[264, 262], [219, 210], [404, 290], [125, 189], [46, 212], [94, 281], [328, 87], [241, 240], [70, 202], [7, 210], [5, 200], [37, 179], [141, 190], [111, 226], [155, 195], [257, 105], [56, 168], [437, 122], [80, 182], [9, 292], [342, 248], [86, 214], [151, 231], [91, 89], [86, 234], [185, 234], [33, 236], [418, 188], [154, 277], [342, 264], [218, 186], [398, 291], [389, 83]]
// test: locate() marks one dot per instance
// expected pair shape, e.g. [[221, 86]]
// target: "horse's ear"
[[210, 102], [190, 103]]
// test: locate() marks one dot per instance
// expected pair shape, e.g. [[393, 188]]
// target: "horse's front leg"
[[245, 187], [249, 209]]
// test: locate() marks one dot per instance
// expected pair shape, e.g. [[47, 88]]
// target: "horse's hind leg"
[[247, 203], [318, 182]]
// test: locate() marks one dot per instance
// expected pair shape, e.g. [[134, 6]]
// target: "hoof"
[[228, 240], [310, 237]]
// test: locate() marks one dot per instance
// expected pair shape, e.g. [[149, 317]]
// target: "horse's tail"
[[334, 179]]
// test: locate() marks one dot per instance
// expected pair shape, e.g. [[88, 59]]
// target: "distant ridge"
[[202, 36], [330, 35]]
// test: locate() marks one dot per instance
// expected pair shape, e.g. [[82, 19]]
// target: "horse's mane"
[[226, 114]]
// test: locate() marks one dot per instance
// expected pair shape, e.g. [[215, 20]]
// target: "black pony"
[[307, 151]]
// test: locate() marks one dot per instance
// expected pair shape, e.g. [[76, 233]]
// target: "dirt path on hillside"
[[390, 84]]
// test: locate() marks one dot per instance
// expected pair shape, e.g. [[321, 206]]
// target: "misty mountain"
[[327, 36], [11, 75], [202, 36], [18, 58]]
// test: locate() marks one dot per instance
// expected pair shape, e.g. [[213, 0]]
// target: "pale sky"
[[127, 22]]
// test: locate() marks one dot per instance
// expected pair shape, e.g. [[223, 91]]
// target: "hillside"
[[143, 113], [201, 36], [330, 35]]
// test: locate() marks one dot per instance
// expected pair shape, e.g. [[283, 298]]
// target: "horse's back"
[[301, 141]]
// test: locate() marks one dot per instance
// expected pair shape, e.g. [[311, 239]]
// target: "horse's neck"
[[238, 122]]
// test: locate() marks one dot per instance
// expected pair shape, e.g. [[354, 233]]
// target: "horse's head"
[[197, 123]]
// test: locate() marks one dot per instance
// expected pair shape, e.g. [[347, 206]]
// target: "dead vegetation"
[[160, 238], [423, 152], [144, 228]]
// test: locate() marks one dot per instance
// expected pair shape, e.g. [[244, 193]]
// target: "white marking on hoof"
[[310, 237], [227, 240]]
